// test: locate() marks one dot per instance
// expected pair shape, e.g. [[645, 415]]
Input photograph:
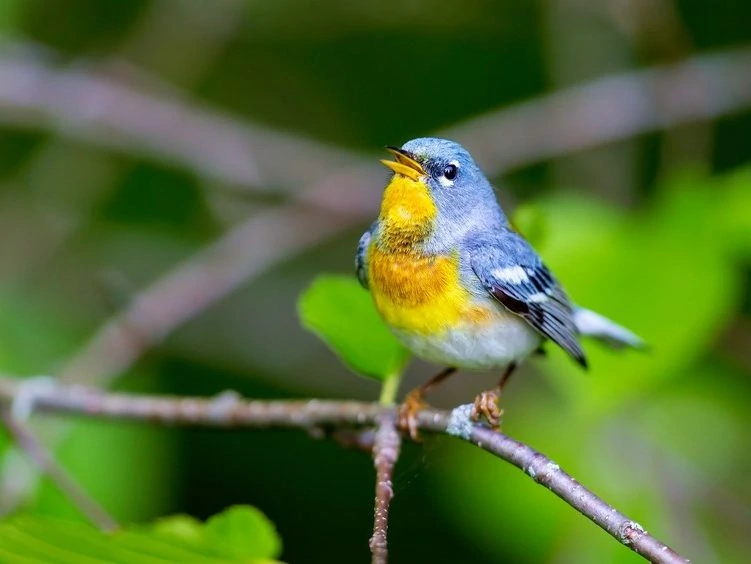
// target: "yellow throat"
[[407, 214]]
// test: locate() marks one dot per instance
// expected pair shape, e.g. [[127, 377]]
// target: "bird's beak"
[[405, 164]]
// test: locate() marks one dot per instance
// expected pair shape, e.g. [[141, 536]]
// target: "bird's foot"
[[408, 411], [487, 407]]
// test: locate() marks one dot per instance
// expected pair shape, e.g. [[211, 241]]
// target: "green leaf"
[[243, 532], [341, 312], [240, 534], [184, 528], [734, 214]]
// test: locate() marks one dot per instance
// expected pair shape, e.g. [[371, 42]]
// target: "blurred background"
[[173, 173]]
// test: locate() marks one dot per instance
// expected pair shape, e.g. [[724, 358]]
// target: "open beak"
[[405, 164]]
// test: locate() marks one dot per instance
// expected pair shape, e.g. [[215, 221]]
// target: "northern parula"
[[456, 284]]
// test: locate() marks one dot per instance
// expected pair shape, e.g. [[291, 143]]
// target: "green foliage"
[[240, 534], [9, 12], [341, 312], [246, 531]]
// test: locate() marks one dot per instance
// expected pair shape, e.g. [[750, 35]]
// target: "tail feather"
[[603, 329]]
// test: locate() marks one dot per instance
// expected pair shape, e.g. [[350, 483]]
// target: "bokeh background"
[[173, 173]]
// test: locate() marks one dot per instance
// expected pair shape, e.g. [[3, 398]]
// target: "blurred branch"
[[169, 126], [195, 284], [75, 103], [177, 40], [229, 410], [45, 461], [385, 454], [155, 122], [610, 109], [180, 41], [579, 46], [203, 279], [604, 110], [657, 29]]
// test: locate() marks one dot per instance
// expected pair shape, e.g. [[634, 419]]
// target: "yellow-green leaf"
[[238, 535], [341, 313]]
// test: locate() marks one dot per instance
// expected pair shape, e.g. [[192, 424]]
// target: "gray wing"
[[513, 273], [361, 258]]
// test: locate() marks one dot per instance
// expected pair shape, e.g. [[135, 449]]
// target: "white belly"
[[492, 345]]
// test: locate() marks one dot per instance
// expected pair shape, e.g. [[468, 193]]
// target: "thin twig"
[[229, 410], [45, 461], [385, 454], [547, 473]]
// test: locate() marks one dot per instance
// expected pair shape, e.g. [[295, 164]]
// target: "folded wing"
[[513, 274]]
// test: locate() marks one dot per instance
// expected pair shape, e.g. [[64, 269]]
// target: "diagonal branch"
[[35, 450], [549, 474], [229, 410], [155, 122], [173, 128], [193, 285], [609, 109], [584, 116]]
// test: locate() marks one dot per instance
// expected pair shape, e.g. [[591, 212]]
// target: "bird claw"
[[408, 411], [487, 407]]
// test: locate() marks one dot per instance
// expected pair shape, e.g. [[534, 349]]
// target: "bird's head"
[[435, 180]]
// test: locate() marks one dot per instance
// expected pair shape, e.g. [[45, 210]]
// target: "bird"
[[457, 285]]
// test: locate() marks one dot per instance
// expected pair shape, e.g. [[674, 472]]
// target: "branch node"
[[630, 531], [541, 469], [460, 422], [222, 405], [22, 404]]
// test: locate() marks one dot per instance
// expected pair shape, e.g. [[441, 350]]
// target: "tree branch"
[[385, 454], [156, 122], [609, 109], [75, 102], [193, 285], [229, 410], [170, 127], [175, 129]]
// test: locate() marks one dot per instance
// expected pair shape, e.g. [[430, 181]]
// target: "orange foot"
[[413, 403], [487, 407]]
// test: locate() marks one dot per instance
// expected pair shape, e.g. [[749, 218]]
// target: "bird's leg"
[[415, 401], [487, 404]]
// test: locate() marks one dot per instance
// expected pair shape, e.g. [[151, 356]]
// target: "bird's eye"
[[449, 173]]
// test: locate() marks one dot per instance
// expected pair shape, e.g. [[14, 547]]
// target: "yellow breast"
[[421, 294], [414, 292]]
